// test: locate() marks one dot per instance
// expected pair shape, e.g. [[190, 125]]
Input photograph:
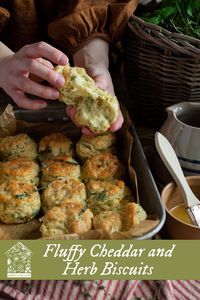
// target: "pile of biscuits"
[[72, 187]]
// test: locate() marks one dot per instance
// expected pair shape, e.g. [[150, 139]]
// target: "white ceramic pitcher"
[[182, 129]]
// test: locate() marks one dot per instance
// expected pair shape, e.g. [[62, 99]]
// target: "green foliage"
[[182, 16]]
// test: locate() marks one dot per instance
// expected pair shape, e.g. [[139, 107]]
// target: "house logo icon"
[[18, 261]]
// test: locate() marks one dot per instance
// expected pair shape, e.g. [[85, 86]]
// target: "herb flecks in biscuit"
[[66, 218], [70, 190], [105, 195], [62, 167], [53, 145], [16, 146], [103, 166], [90, 145], [19, 169], [95, 108], [19, 202]]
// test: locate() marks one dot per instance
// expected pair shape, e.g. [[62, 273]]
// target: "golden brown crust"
[[102, 166], [106, 195], [70, 190], [108, 221], [19, 202], [20, 145], [53, 145], [20, 170], [63, 168], [53, 223], [66, 218], [90, 145], [132, 215]]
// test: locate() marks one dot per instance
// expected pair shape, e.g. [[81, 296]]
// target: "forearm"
[[95, 52]]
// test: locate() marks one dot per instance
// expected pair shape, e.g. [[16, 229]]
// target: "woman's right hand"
[[18, 73]]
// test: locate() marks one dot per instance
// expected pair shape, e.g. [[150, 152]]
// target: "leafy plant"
[[182, 16]]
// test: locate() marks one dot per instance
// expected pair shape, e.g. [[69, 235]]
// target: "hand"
[[94, 58], [103, 80], [19, 70]]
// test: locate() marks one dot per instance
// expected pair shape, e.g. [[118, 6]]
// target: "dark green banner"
[[91, 260]]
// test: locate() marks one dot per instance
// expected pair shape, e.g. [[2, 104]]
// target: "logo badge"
[[19, 261]]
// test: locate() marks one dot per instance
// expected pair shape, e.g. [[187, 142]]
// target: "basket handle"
[[162, 37]]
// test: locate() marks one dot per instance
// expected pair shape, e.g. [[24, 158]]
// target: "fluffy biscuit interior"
[[95, 108]]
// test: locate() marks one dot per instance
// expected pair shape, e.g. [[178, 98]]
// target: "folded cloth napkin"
[[100, 290]]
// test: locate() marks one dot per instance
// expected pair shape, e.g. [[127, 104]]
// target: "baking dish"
[[54, 117]]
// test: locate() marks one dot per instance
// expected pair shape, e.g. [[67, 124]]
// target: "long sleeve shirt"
[[67, 24]]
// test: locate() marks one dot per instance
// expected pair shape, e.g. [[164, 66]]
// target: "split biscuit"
[[132, 215], [95, 108]]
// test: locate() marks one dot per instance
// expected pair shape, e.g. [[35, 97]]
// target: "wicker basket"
[[161, 68]]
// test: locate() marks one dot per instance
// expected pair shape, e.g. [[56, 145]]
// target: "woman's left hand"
[[94, 58]]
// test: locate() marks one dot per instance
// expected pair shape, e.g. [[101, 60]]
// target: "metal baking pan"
[[55, 112], [148, 193]]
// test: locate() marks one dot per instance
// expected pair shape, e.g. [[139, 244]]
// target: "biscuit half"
[[95, 108]]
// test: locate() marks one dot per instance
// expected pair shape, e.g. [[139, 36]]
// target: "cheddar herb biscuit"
[[90, 145], [108, 221], [95, 108], [53, 145], [19, 169], [132, 215], [66, 218], [19, 202], [62, 167], [107, 195], [102, 166], [20, 145], [71, 190]]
